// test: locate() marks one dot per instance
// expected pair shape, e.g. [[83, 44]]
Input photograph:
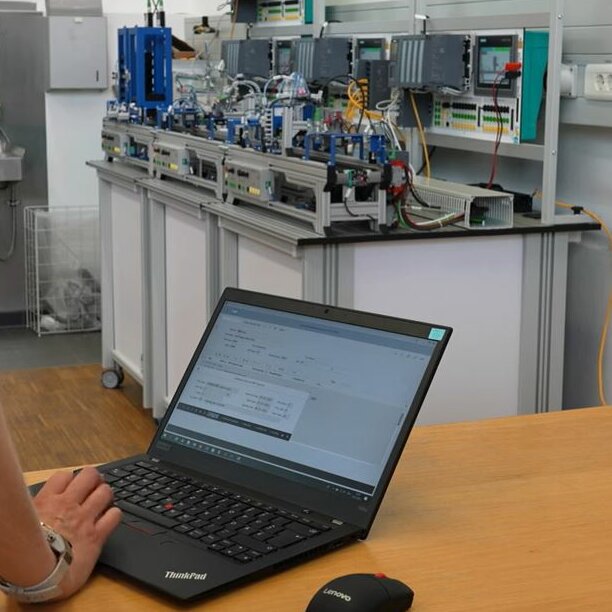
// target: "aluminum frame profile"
[[451, 197], [313, 175]]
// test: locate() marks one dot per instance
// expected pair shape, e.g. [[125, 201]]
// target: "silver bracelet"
[[49, 588]]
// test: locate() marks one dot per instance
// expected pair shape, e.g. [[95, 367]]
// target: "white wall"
[[74, 120], [585, 163], [40, 4], [193, 7], [73, 137]]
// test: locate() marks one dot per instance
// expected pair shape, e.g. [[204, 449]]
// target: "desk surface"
[[502, 515]]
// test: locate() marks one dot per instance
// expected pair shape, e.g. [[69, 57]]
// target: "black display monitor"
[[492, 53]]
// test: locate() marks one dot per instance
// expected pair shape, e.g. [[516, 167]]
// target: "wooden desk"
[[502, 515]]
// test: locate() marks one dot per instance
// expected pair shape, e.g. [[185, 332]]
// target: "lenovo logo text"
[[337, 594]]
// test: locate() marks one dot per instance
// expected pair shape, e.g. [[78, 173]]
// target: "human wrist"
[[51, 584], [32, 558], [43, 568]]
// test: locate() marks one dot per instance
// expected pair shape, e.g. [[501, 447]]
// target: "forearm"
[[25, 557]]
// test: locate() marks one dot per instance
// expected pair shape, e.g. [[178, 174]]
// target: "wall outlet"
[[598, 81]]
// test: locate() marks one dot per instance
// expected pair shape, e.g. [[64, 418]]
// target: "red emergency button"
[[380, 575]]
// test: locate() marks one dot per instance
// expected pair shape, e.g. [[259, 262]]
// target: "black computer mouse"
[[362, 593]]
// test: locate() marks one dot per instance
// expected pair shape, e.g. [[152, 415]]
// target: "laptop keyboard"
[[231, 524]]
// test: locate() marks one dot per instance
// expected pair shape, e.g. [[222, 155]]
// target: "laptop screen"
[[315, 401]]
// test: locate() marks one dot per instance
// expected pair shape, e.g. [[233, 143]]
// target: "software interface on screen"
[[493, 55], [370, 53], [315, 401]]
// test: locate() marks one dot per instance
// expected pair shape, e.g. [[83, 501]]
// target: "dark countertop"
[[348, 232]]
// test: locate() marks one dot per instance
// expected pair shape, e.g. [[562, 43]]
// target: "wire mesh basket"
[[62, 269]]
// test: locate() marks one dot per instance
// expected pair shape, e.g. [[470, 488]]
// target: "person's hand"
[[78, 507]]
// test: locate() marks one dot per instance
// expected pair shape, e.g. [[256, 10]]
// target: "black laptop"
[[278, 444]]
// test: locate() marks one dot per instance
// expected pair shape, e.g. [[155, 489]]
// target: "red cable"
[[500, 128], [511, 70], [398, 190]]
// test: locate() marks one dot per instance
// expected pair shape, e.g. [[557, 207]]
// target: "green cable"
[[400, 217]]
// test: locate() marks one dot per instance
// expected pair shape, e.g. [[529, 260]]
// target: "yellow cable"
[[350, 109], [604, 331], [358, 103], [417, 117], [355, 103], [590, 213]]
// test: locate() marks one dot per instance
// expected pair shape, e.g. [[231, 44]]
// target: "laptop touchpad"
[[143, 526]]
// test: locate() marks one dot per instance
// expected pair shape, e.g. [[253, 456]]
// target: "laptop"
[[278, 444]]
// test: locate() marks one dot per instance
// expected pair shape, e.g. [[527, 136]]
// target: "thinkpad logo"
[[185, 576], [337, 594]]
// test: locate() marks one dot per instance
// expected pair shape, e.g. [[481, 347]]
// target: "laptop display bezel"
[[339, 506]]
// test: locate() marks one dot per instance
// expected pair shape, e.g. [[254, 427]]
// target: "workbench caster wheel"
[[112, 378]]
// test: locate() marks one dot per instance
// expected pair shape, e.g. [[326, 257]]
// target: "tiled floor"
[[21, 348]]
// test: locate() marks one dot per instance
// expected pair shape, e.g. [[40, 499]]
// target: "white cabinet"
[[187, 310], [124, 275], [127, 282], [503, 295], [182, 256], [77, 53]]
